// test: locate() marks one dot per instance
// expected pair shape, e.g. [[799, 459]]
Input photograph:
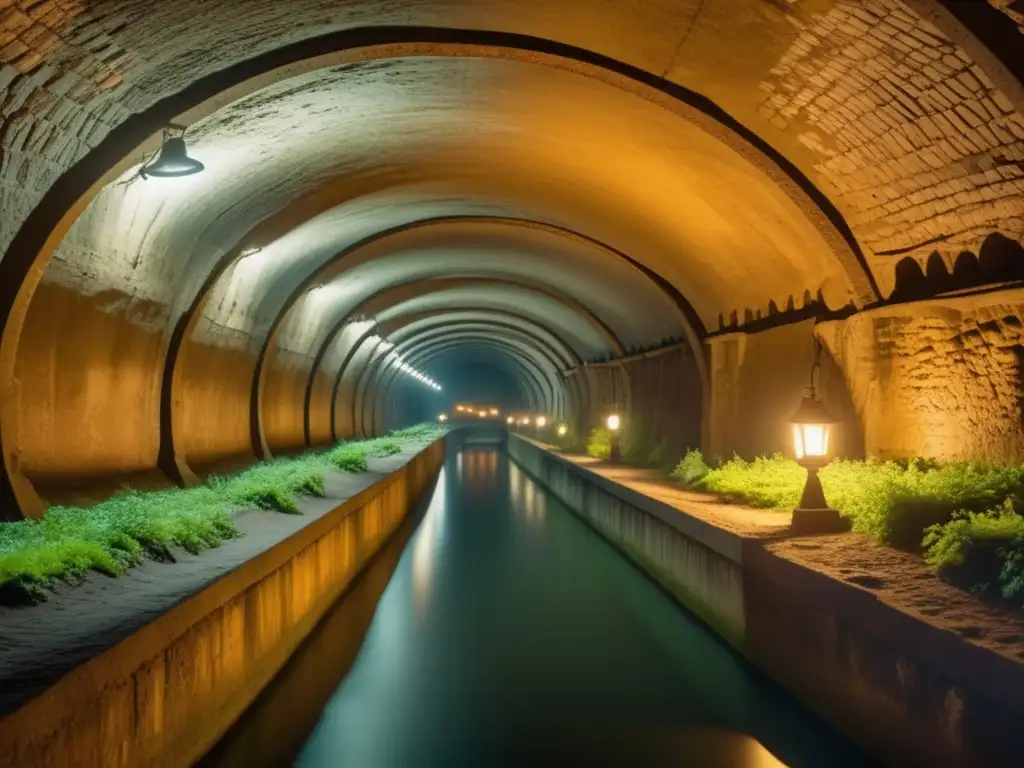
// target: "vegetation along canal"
[[509, 633]]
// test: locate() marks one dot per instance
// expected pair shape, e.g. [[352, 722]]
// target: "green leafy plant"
[[118, 533], [109, 537], [349, 458], [771, 481], [894, 502], [383, 448], [983, 551], [691, 469], [599, 444]]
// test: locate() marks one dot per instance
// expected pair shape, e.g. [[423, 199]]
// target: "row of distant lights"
[[403, 366]]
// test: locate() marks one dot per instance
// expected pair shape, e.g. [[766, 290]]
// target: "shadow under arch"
[[424, 339], [543, 385], [518, 318]]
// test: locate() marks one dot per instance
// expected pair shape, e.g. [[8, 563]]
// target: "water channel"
[[510, 633]]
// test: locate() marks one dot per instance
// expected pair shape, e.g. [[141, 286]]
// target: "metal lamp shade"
[[173, 161]]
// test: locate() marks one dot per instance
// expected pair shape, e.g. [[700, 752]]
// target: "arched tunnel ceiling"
[[581, 153], [412, 325], [582, 331], [661, 163]]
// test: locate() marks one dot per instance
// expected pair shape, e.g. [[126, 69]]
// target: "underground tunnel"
[[314, 307]]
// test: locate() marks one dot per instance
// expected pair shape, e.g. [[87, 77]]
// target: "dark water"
[[509, 634]]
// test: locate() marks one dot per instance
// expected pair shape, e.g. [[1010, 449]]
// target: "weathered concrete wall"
[[284, 400], [658, 397], [89, 400], [757, 381], [909, 693], [164, 695], [938, 378], [212, 398], [691, 564]]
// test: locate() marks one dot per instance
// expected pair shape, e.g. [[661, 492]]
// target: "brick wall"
[[914, 143]]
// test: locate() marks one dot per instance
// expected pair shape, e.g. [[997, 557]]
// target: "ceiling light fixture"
[[173, 161]]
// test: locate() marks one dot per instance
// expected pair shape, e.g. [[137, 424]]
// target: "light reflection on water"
[[428, 540], [511, 634]]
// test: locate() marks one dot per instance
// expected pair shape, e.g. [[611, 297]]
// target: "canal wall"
[[906, 691], [164, 695]]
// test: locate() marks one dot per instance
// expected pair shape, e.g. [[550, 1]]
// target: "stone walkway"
[[901, 579]]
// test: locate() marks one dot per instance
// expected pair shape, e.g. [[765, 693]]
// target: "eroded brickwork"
[[60, 73], [937, 379], [918, 148]]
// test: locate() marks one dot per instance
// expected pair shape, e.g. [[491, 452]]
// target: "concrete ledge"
[[165, 694], [908, 692]]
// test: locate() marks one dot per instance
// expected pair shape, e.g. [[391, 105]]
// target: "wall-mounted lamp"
[[812, 425], [173, 160]]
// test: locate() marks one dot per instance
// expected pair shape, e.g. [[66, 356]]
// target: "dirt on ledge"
[[900, 579]]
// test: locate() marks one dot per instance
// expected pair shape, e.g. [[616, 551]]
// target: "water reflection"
[[428, 541], [529, 501], [511, 634], [478, 467]]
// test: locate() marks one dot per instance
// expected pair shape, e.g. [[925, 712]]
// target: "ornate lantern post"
[[812, 426]]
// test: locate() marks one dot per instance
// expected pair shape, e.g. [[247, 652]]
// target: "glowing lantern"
[[443, 418], [812, 424], [614, 422]]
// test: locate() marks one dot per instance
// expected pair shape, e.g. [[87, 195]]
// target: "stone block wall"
[[757, 380], [912, 140], [939, 378]]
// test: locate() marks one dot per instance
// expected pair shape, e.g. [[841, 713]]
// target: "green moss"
[[383, 448], [110, 537], [118, 533]]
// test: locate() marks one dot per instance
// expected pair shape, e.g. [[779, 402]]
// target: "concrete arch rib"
[[397, 331], [318, 358], [598, 66], [498, 333], [544, 391]]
